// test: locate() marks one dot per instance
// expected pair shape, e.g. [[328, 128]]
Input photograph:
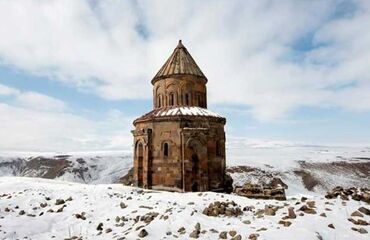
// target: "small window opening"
[[186, 99], [159, 101], [165, 149], [172, 97]]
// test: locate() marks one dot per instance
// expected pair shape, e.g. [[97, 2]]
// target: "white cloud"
[[246, 48], [35, 130], [7, 91]]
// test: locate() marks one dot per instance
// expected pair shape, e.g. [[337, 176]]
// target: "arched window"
[[187, 99], [159, 101], [172, 99], [165, 149]]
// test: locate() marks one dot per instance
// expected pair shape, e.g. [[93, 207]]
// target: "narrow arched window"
[[187, 99], [165, 149], [159, 101], [172, 99]]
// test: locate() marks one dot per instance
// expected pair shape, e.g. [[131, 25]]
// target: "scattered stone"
[[223, 235], [69, 199], [181, 230], [323, 215], [80, 216], [331, 226], [357, 194], [285, 223], [59, 202], [303, 199], [194, 234], [229, 209], [237, 237], [311, 204], [232, 233], [22, 212], [358, 222], [108, 230], [269, 191], [148, 217], [143, 233], [253, 236], [271, 210], [99, 227], [291, 213], [357, 214], [43, 205], [123, 205], [360, 230], [307, 210], [364, 210], [247, 222]]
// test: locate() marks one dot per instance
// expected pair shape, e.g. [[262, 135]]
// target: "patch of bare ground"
[[309, 181]]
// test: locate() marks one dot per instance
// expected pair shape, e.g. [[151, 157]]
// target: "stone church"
[[180, 144]]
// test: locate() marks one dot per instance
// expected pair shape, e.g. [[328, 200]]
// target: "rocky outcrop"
[[357, 194], [229, 209], [261, 191]]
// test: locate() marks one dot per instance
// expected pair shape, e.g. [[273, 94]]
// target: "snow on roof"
[[179, 111], [186, 111]]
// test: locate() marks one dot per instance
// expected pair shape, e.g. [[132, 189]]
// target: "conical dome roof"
[[179, 63]]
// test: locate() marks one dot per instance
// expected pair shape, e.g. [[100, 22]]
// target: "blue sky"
[[74, 74]]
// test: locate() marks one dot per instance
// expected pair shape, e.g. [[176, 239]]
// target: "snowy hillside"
[[87, 167], [33, 208], [303, 168]]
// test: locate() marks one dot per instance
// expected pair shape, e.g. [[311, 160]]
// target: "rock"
[[308, 210], [181, 230], [194, 234], [123, 205], [59, 202], [232, 233], [223, 235], [69, 199], [22, 212], [362, 230], [358, 222], [303, 199], [357, 214], [197, 226], [364, 211], [43, 205], [323, 215], [270, 210], [168, 233], [237, 237], [143, 233], [285, 223], [331, 226], [108, 230], [247, 222], [99, 227], [291, 213], [310, 204], [80, 216], [253, 236]]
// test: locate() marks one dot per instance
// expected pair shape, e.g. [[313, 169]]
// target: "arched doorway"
[[140, 156], [195, 172]]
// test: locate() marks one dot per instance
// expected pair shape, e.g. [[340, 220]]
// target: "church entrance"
[[140, 156], [195, 173]]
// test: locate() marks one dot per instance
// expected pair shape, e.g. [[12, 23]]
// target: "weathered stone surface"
[[261, 192]]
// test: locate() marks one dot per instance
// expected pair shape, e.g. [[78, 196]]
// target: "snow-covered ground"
[[103, 203]]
